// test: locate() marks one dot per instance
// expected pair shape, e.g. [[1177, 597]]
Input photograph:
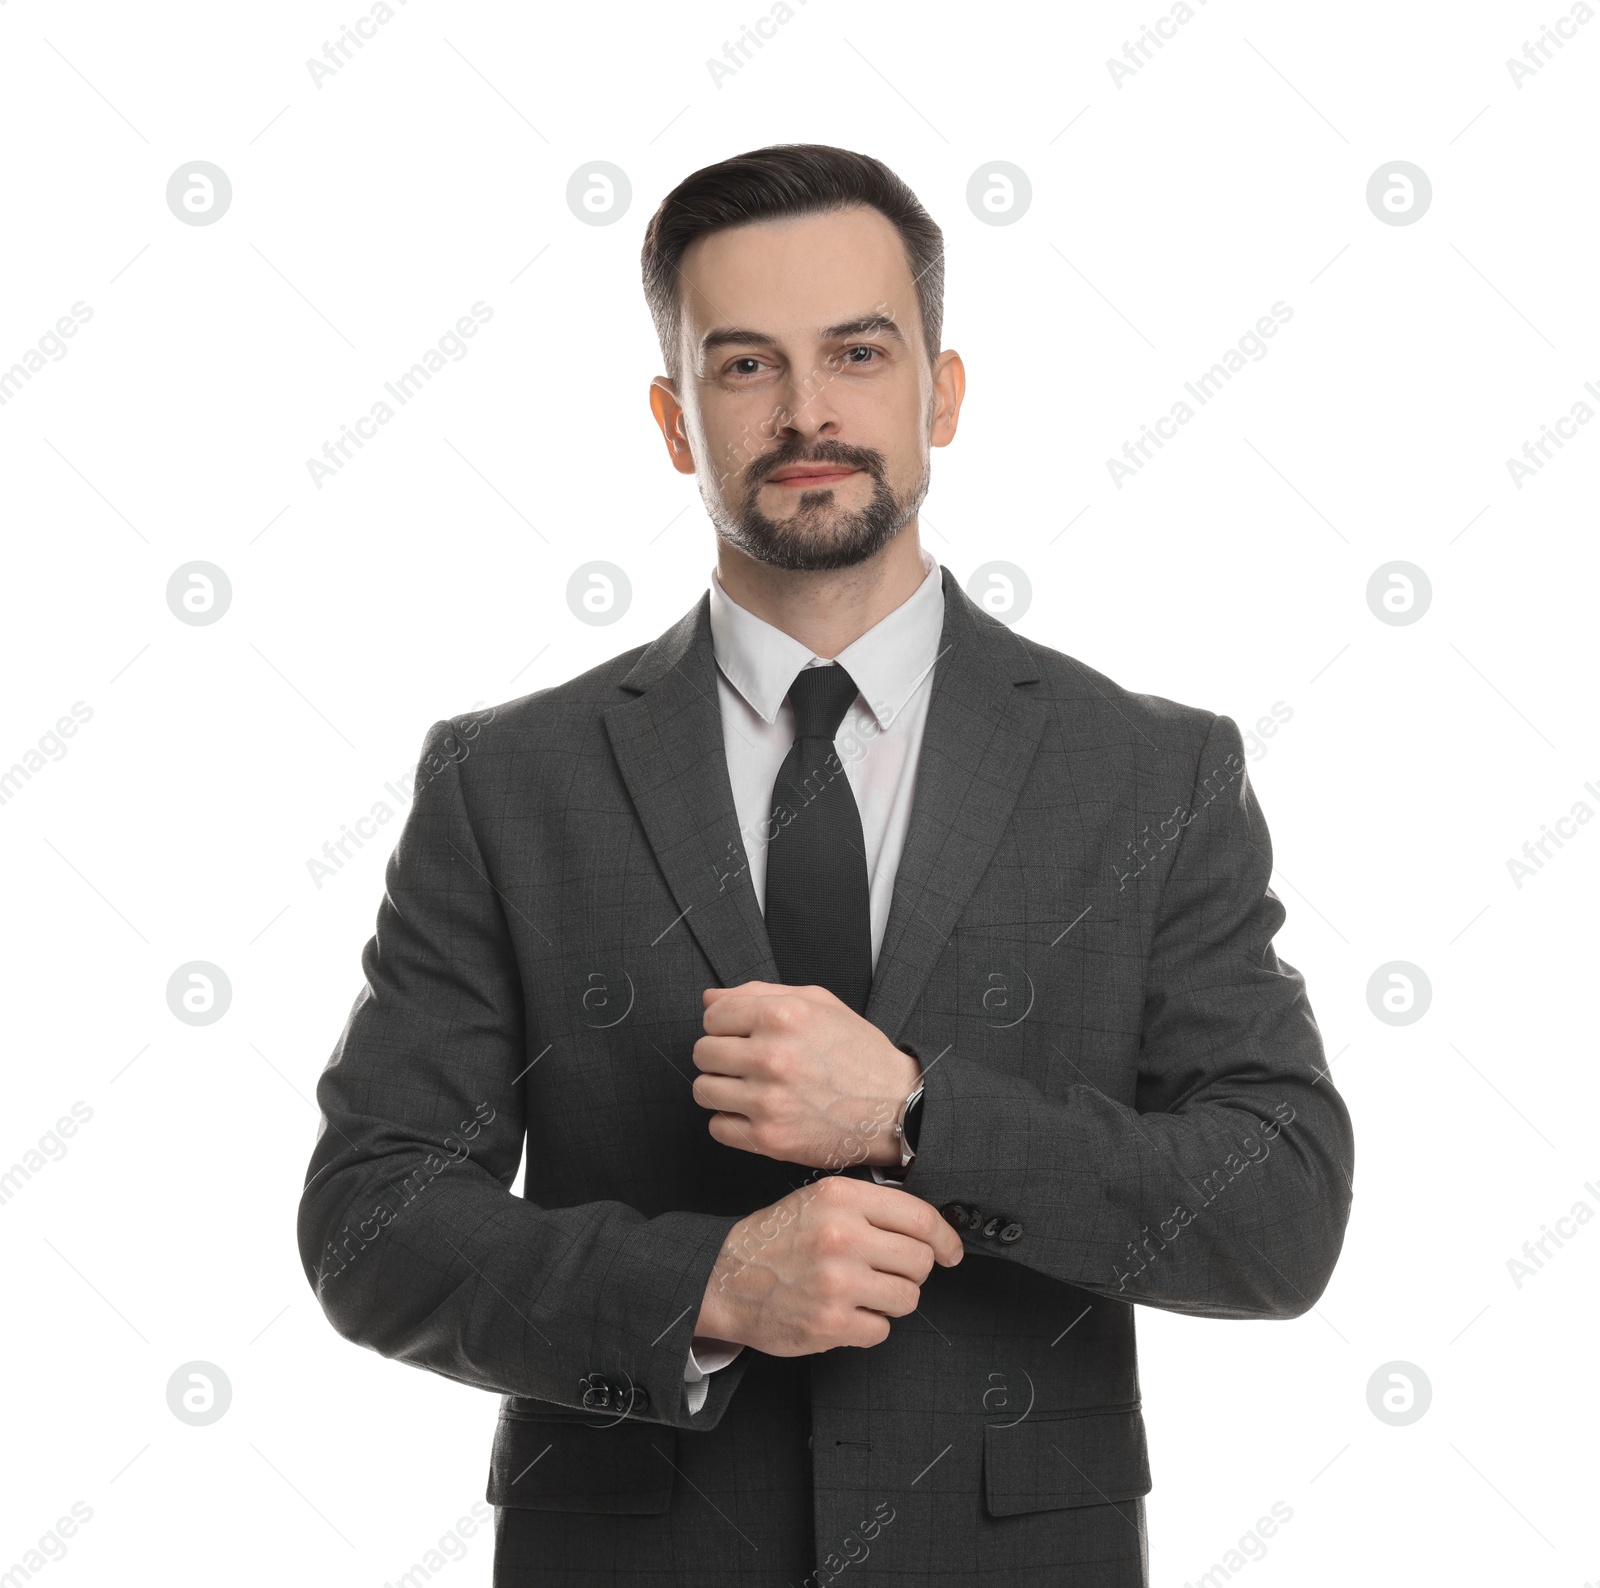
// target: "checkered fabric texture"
[[1080, 949]]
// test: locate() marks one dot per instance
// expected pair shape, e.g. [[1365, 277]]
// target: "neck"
[[828, 609]]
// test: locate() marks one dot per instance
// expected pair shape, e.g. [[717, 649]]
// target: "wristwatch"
[[910, 1120]]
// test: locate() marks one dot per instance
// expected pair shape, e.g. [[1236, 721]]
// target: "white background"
[[1168, 214]]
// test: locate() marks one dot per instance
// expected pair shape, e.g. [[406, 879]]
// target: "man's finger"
[[711, 994], [738, 1012], [720, 1094], [910, 1215], [721, 1055], [769, 989]]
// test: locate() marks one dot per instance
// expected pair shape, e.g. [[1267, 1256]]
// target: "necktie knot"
[[821, 696]]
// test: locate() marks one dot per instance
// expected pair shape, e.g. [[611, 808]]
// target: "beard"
[[818, 534]]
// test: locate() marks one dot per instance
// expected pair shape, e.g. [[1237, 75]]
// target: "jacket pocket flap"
[[1050, 1461], [612, 1469]]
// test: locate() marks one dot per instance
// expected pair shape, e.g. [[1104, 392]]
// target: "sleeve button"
[[601, 1394], [1011, 1232]]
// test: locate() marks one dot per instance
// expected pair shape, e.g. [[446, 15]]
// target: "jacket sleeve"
[[409, 1232], [1225, 1191]]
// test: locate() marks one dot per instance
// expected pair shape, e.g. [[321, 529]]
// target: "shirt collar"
[[887, 662]]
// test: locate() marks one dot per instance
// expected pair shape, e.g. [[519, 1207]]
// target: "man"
[[887, 1003]]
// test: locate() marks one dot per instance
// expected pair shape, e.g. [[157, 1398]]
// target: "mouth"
[[812, 478]]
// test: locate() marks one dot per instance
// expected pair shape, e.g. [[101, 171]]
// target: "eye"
[[734, 369], [861, 363]]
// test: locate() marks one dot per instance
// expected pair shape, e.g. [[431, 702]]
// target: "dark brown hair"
[[785, 179]]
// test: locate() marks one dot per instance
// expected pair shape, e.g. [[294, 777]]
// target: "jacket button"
[[809, 1444], [1011, 1232], [992, 1228], [954, 1213]]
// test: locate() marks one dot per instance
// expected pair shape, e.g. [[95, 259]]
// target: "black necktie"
[[818, 909]]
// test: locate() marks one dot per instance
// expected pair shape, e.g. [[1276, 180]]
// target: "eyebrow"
[[862, 325]]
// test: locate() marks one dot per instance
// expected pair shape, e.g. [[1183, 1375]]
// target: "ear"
[[669, 415], [949, 387]]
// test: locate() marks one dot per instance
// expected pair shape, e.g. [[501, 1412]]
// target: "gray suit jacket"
[[1126, 1102]]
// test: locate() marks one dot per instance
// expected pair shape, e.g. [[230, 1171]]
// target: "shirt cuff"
[[712, 1354], [888, 1176]]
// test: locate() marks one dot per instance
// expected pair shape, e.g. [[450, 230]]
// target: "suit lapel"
[[978, 744], [668, 745]]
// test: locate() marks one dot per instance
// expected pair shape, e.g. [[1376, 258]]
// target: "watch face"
[[913, 1122]]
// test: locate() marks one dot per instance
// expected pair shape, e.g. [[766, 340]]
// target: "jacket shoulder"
[[560, 708], [1149, 722]]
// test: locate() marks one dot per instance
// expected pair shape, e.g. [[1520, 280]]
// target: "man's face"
[[807, 403]]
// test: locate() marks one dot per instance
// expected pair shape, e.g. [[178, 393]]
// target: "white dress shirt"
[[878, 742]]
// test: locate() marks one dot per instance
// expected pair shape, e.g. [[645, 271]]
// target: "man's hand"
[[794, 1074], [827, 1265]]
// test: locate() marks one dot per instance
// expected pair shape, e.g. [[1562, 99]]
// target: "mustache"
[[823, 452]]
